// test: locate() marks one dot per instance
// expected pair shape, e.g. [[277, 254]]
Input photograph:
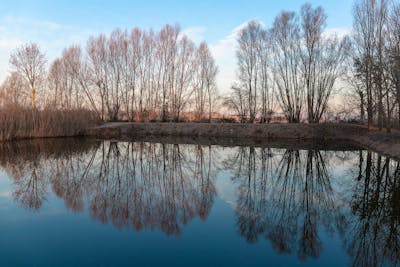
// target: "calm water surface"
[[101, 203]]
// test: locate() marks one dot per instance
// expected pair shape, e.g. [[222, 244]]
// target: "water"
[[92, 203]]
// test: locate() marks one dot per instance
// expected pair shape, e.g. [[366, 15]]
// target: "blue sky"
[[57, 24]]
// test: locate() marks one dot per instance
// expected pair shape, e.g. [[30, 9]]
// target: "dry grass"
[[23, 123]]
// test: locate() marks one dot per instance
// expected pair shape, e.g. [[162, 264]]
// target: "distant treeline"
[[291, 68]]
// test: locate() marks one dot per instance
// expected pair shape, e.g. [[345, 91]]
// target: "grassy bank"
[[381, 142], [24, 123], [296, 131]]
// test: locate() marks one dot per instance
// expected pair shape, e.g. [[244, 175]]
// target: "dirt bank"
[[381, 142]]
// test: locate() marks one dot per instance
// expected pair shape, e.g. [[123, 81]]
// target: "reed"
[[25, 123]]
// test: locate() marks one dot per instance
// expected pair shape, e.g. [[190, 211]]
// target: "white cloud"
[[9, 43], [196, 34], [225, 57], [339, 32], [48, 25]]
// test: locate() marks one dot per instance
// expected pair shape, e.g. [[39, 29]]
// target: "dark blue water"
[[92, 203]]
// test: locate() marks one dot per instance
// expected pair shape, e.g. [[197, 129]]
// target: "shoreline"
[[321, 135]]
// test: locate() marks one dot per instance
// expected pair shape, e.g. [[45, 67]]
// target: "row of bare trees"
[[25, 99], [251, 94], [376, 72], [137, 75], [292, 66]]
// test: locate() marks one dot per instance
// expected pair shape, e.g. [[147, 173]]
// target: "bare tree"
[[236, 101], [248, 68], [98, 69], [313, 24], [393, 62], [54, 80], [253, 74], [184, 72], [205, 88], [287, 65], [322, 61], [266, 88], [365, 32], [381, 86], [166, 52], [152, 93], [355, 96], [12, 91], [64, 77], [376, 40], [29, 62]]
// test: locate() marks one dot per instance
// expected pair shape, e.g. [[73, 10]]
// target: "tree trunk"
[[33, 96]]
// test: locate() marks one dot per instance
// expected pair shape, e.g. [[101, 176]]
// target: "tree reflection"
[[373, 238], [284, 197], [153, 186], [30, 189], [139, 185], [251, 203], [28, 163]]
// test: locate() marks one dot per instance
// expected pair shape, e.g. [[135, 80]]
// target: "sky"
[[55, 25]]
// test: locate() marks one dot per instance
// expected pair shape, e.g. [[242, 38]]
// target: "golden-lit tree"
[[29, 62]]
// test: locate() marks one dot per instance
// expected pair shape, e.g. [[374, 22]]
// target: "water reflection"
[[139, 185], [288, 197], [285, 197], [33, 164], [373, 236]]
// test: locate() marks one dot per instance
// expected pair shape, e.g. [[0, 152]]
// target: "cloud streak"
[[22, 21]]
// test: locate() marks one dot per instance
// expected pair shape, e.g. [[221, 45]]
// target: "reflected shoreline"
[[339, 145]]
